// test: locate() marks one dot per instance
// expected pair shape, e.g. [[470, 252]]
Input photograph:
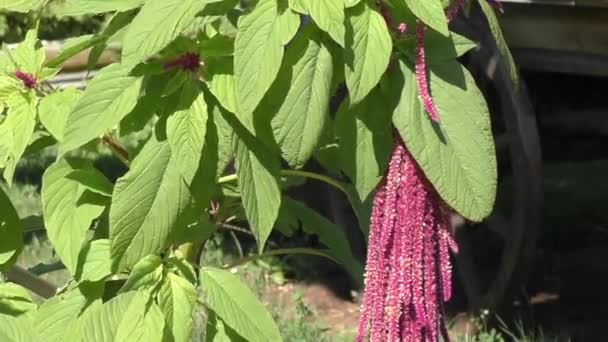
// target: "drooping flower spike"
[[408, 270], [421, 79]]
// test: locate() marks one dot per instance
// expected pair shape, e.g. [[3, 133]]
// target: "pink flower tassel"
[[421, 80], [408, 269]]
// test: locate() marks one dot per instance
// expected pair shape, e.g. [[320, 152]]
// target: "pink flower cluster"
[[188, 62], [28, 80], [408, 270]]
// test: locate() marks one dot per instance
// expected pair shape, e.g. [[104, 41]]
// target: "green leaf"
[[68, 210], [80, 7], [299, 121], [145, 275], [110, 96], [257, 173], [368, 51], [27, 57], [438, 48], [431, 13], [115, 28], [156, 25], [221, 83], [329, 234], [329, 16], [176, 299], [17, 329], [10, 230], [457, 155], [21, 5], [95, 261], [92, 180], [216, 46], [217, 331], [53, 110], [14, 299], [258, 53], [20, 122], [57, 318], [237, 306], [500, 41], [365, 142], [186, 130], [287, 25], [143, 322], [8, 86], [147, 203], [351, 3], [300, 6], [72, 47], [127, 317]]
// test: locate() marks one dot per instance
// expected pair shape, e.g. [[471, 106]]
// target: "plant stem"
[[296, 173], [307, 251], [31, 282], [119, 151]]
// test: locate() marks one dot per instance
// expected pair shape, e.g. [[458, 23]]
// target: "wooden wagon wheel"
[[516, 224]]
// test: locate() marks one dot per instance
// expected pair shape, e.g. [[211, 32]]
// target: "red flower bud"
[[28, 80]]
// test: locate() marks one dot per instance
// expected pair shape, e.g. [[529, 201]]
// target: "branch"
[[296, 173], [119, 151], [31, 282]]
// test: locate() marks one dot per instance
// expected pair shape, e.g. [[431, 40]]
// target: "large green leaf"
[[110, 96], [186, 130], [156, 25], [20, 122], [27, 57], [18, 329], [127, 317], [237, 306], [258, 53], [329, 234], [14, 299], [301, 117], [221, 82], [92, 180], [217, 331], [68, 210], [80, 7], [143, 321], [457, 155], [53, 110], [500, 41], [10, 230], [95, 261], [364, 132], [8, 86], [146, 205], [431, 13], [21, 5], [145, 275], [73, 46], [57, 318], [287, 25], [257, 172], [329, 16], [368, 50], [176, 299]]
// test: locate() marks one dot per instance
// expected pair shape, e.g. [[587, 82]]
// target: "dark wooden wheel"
[[496, 255]]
